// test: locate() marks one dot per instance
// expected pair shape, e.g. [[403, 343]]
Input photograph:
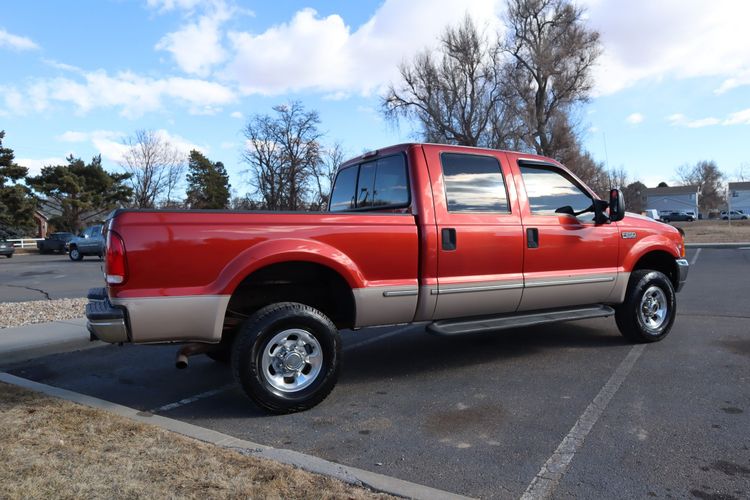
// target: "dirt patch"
[[715, 231], [56, 449]]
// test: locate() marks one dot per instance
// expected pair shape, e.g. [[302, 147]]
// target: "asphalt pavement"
[[570, 406], [41, 277]]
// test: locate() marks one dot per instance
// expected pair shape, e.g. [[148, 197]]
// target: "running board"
[[490, 323]]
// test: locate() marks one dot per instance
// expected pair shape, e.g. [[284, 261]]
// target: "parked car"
[[89, 242], [55, 242], [466, 239], [677, 217], [6, 248], [734, 215]]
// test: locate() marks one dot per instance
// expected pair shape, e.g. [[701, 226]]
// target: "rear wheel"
[[286, 357], [649, 309]]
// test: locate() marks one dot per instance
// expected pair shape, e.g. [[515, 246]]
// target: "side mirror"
[[567, 209], [616, 205]]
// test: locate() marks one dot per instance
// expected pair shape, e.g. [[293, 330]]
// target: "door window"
[[473, 183], [548, 190]]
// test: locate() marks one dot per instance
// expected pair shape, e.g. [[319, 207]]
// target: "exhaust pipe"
[[189, 350]]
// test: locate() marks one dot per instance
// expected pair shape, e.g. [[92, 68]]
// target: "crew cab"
[[462, 239]]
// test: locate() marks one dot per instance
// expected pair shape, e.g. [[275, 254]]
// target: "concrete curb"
[[27, 342], [350, 475], [717, 245]]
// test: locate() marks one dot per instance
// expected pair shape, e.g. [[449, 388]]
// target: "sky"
[[672, 86]]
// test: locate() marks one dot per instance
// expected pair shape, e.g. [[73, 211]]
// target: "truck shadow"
[[419, 352]]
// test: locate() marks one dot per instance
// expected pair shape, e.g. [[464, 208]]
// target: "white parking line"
[[547, 479], [695, 257], [192, 399]]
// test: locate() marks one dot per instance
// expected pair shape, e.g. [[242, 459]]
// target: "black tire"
[[666, 219], [633, 321], [75, 254], [259, 379], [10, 255]]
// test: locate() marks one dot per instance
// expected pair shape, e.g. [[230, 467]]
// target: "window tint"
[[366, 185], [473, 183], [376, 184], [548, 190], [342, 197], [391, 187]]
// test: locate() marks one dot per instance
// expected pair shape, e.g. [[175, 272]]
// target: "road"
[[41, 277], [480, 415]]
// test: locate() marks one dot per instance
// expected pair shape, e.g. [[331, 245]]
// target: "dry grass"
[[51, 448], [716, 231]]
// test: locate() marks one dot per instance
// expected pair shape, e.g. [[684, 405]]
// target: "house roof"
[[739, 186], [666, 191]]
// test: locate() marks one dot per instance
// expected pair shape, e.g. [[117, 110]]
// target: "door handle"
[[532, 237], [449, 238]]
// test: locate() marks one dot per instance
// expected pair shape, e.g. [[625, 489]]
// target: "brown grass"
[[716, 231], [51, 448]]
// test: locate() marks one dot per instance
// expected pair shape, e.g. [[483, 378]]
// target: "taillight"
[[115, 265]]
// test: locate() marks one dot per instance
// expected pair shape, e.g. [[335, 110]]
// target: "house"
[[739, 196], [673, 199], [42, 224]]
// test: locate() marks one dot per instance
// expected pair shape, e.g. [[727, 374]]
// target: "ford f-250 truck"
[[464, 239]]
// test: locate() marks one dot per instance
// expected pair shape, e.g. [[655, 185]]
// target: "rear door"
[[480, 240], [568, 259]]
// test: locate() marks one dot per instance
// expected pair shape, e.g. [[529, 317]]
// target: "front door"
[[568, 259]]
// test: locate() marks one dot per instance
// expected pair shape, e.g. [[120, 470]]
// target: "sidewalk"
[[30, 341]]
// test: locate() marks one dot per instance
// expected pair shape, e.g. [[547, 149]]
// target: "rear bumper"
[[682, 273], [106, 322]]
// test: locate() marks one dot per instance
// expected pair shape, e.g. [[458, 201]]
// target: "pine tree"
[[208, 183], [17, 204]]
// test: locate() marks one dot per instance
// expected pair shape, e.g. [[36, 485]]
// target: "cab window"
[[377, 184], [548, 190], [473, 183]]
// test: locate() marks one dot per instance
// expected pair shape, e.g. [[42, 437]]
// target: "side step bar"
[[490, 323]]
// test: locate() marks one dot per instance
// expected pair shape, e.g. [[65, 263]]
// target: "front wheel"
[[75, 254], [649, 309], [286, 357]]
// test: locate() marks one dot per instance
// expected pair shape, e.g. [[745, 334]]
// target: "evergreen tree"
[[208, 183], [17, 204], [80, 193]]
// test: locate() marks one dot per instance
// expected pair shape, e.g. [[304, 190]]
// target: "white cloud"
[[324, 54], [16, 42], [132, 94], [648, 41], [237, 115], [738, 118], [168, 5], [196, 46], [634, 118]]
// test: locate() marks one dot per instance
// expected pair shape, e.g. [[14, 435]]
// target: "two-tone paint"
[[184, 266]]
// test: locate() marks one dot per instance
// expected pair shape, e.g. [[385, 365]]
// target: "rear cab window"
[[372, 185]]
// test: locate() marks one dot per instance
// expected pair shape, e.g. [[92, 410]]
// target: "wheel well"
[[308, 283], [659, 261]]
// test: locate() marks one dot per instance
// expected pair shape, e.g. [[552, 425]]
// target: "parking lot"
[[481, 415], [41, 277]]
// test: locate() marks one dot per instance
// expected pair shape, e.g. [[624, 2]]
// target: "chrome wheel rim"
[[74, 253], [291, 360], [653, 308]]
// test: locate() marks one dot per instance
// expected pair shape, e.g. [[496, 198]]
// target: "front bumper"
[[105, 322], [682, 273]]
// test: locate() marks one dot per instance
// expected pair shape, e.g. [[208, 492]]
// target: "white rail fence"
[[25, 242]]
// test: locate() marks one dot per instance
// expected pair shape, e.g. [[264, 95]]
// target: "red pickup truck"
[[463, 239]]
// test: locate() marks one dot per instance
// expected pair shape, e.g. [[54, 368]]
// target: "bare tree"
[[743, 173], [709, 179], [551, 55], [456, 95], [283, 152], [618, 178], [324, 174], [155, 166]]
